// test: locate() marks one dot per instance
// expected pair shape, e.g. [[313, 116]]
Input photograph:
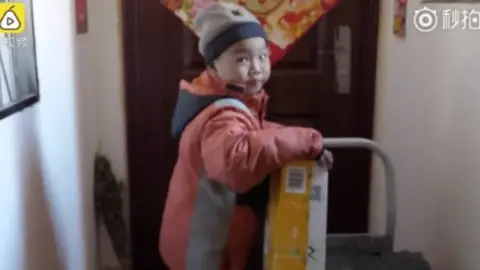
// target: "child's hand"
[[326, 159]]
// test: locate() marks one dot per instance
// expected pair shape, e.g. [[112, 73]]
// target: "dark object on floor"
[[108, 206], [370, 253]]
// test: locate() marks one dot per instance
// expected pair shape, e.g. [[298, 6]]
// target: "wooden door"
[[159, 51]]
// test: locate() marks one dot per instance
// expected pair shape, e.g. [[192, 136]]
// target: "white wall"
[[43, 218], [427, 118], [47, 219], [100, 66]]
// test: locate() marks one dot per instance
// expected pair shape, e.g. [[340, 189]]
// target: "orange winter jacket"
[[226, 148]]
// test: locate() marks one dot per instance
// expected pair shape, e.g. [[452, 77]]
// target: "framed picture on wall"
[[18, 64]]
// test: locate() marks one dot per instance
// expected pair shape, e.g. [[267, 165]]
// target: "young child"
[[226, 146]]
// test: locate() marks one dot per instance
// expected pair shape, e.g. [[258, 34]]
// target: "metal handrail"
[[389, 173]]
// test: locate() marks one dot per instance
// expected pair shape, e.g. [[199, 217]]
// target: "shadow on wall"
[[41, 250]]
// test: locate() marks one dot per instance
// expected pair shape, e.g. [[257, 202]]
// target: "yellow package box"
[[296, 222]]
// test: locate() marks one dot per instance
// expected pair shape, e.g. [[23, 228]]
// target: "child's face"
[[246, 63]]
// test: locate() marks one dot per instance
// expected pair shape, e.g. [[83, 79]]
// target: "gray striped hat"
[[223, 24]]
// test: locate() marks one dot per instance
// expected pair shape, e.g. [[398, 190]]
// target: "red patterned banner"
[[81, 16], [285, 21]]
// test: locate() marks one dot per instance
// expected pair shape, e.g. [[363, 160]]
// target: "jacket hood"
[[204, 90]]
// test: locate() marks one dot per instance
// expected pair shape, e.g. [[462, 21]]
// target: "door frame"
[[365, 96]]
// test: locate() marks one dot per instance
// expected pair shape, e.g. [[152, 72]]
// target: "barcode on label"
[[316, 193], [296, 180]]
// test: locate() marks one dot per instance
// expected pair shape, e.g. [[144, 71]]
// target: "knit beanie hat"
[[221, 25]]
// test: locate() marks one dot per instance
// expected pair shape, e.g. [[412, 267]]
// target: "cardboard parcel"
[[296, 225]]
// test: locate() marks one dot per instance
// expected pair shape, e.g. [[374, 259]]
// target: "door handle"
[[342, 53]]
